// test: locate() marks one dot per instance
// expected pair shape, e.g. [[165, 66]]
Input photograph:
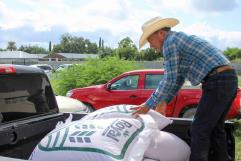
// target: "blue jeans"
[[207, 128]]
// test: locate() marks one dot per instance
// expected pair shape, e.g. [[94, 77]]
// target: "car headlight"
[[69, 93]]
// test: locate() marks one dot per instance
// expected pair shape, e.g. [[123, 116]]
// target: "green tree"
[[105, 52], [33, 49], [233, 53], [150, 54], [127, 49], [90, 48], [11, 46], [100, 43], [57, 49], [50, 46], [73, 44]]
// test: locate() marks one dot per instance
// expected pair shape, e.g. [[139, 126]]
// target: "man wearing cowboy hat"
[[194, 59]]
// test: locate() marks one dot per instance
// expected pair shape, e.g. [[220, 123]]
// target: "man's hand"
[[141, 109], [161, 108]]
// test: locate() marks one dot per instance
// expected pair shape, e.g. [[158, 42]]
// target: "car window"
[[152, 80], [24, 96], [187, 85], [126, 83]]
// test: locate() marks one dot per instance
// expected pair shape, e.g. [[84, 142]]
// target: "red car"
[[134, 87]]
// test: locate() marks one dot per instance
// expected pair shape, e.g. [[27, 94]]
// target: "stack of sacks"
[[112, 139], [112, 134], [164, 147]]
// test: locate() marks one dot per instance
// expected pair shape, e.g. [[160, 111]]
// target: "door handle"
[[132, 96]]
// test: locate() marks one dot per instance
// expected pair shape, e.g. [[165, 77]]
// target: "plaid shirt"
[[185, 57]]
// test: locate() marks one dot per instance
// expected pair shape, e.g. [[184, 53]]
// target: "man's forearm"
[[161, 107]]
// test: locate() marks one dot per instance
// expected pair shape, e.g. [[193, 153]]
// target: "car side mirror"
[[108, 86]]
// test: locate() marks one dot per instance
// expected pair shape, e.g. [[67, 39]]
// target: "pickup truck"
[[134, 87], [29, 111]]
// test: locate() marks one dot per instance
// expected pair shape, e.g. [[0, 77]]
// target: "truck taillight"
[[7, 69]]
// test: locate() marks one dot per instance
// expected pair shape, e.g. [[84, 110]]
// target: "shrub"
[[92, 72]]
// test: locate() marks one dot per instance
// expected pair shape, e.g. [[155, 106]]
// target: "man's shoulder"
[[176, 38], [179, 34]]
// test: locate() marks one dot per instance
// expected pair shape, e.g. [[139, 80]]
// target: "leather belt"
[[219, 70]]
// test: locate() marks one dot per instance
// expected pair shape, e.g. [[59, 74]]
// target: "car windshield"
[[63, 66]]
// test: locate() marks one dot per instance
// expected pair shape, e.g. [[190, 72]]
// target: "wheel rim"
[[88, 108], [189, 113]]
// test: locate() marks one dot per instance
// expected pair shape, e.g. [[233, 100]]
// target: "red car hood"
[[89, 87]]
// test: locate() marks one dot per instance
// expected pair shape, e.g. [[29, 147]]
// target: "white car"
[[67, 104], [63, 67], [48, 69]]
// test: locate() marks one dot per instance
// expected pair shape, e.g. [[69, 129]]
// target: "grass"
[[237, 135], [238, 148], [239, 80]]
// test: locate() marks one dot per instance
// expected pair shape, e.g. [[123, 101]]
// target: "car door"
[[151, 81], [125, 90]]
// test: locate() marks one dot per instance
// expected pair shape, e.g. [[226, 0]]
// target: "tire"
[[189, 112], [89, 108]]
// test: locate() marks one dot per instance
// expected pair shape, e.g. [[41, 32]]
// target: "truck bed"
[[19, 139]]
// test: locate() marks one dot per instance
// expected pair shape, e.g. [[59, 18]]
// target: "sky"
[[37, 22]]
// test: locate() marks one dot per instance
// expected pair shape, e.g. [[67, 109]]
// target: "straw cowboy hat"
[[153, 25]]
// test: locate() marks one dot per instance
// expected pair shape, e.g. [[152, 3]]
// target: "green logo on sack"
[[81, 136]]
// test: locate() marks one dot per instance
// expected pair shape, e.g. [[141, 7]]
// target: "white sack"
[[118, 139], [168, 147], [124, 111]]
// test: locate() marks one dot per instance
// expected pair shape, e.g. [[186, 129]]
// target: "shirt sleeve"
[[172, 81]]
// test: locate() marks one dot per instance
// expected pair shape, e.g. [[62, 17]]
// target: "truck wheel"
[[189, 113], [89, 108]]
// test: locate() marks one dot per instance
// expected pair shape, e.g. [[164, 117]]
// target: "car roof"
[[145, 70]]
